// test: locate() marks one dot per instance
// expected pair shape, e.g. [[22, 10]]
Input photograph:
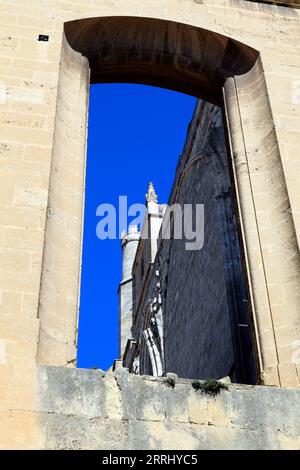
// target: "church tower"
[[137, 256], [129, 242]]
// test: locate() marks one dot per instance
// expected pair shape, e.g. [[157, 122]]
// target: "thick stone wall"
[[87, 409], [198, 338]]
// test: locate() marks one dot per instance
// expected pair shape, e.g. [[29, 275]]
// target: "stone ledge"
[[82, 408]]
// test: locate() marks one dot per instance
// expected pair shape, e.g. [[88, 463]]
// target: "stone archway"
[[203, 63]]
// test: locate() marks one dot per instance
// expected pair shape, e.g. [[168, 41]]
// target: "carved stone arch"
[[160, 53]]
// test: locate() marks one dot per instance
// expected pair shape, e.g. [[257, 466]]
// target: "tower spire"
[[151, 195]]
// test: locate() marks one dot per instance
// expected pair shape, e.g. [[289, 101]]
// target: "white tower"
[[130, 242]]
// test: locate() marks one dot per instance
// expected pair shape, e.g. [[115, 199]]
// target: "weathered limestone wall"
[[199, 323], [82, 409], [29, 79]]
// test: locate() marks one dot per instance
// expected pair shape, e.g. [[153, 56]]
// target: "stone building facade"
[[190, 307], [240, 55]]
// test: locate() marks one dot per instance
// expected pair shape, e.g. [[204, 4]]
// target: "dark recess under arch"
[[161, 53]]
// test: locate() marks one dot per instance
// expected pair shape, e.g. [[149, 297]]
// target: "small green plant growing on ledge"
[[196, 384], [169, 382], [210, 386]]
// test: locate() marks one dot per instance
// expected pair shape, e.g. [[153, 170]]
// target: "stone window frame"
[[218, 69]]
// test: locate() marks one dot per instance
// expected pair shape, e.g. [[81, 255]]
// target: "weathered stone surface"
[[155, 416], [72, 390]]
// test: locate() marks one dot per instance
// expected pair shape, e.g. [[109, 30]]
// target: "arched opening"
[[135, 133], [183, 58]]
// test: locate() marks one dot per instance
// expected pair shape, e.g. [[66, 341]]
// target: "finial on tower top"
[[151, 195]]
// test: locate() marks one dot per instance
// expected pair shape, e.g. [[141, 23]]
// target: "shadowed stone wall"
[[197, 329], [204, 297]]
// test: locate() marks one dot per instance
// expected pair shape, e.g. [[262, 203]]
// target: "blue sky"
[[136, 134]]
